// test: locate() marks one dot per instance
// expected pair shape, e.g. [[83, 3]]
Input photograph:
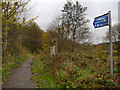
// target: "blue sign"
[[101, 21]]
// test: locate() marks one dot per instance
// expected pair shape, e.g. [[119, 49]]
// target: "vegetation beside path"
[[73, 70]]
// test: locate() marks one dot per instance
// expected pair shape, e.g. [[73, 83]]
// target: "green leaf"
[[7, 28]]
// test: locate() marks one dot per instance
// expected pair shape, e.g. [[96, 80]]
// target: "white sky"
[[49, 9]]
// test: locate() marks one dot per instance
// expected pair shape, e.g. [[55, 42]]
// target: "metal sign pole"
[[111, 55]]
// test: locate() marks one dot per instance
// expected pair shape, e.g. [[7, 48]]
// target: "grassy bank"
[[41, 75], [71, 70]]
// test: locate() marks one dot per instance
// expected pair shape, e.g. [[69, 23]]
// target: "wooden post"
[[56, 47]]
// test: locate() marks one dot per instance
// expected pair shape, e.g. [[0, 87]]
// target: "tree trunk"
[[73, 40], [5, 42], [6, 32]]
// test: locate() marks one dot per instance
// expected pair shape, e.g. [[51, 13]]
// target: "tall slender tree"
[[75, 22]]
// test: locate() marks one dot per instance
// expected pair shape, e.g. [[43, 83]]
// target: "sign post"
[[101, 21], [110, 34]]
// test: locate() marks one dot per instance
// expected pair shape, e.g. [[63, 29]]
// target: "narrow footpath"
[[21, 77]]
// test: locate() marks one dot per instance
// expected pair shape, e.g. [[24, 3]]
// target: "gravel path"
[[21, 77]]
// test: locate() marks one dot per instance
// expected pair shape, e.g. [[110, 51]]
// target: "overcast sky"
[[49, 9]]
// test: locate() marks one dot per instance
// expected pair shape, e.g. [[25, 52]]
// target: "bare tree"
[[115, 34]]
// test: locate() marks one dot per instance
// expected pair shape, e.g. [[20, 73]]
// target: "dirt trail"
[[21, 77]]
